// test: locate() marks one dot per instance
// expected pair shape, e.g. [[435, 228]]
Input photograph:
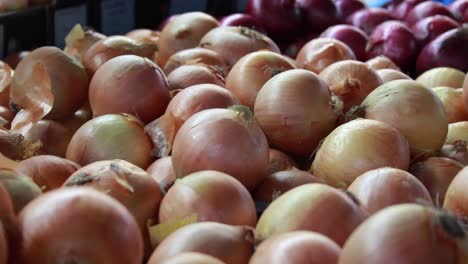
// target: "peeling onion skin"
[[409, 233], [442, 76], [79, 47], [189, 56], [162, 172], [191, 258], [456, 197], [53, 137]]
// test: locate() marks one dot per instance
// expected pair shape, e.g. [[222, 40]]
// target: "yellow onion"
[[442, 76]]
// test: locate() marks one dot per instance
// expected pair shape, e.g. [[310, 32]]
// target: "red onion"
[[346, 8], [368, 19], [431, 27], [427, 9], [317, 14], [352, 36], [402, 9], [459, 9], [244, 20]]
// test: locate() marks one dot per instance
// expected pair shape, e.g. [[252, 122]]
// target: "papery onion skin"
[[427, 9], [230, 244], [442, 76], [251, 72], [79, 47], [279, 161], [190, 258], [189, 56], [388, 75], [452, 99], [6, 77], [93, 221], [457, 151], [431, 27], [356, 147], [52, 136], [111, 137], [354, 37], [188, 75], [296, 248], [129, 84], [162, 172], [21, 188], [368, 19], [457, 131], [382, 62], [410, 233], [380, 188]]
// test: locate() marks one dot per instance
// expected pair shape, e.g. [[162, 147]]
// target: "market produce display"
[[303, 131]]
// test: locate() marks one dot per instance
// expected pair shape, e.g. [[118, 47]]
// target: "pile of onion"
[[401, 10], [242, 20], [16, 147], [442, 76], [193, 74], [162, 172], [193, 55], [459, 9], [346, 8]]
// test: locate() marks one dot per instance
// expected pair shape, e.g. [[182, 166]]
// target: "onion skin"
[[442, 76], [357, 147], [53, 137], [189, 75], [312, 207], [251, 72], [295, 125], [354, 37], [380, 188], [21, 188], [410, 233], [457, 131], [457, 151], [230, 244], [427, 9], [452, 99], [129, 84], [279, 161], [93, 220], [6, 77], [162, 172], [368, 19], [297, 248], [217, 139], [187, 56], [190, 258], [382, 62], [111, 137], [388, 75], [78, 41], [16, 147], [47, 171], [431, 27], [436, 173]]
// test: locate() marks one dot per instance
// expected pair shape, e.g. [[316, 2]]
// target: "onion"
[[165, 21], [394, 40], [456, 198], [447, 50], [442, 76], [8, 226], [355, 38], [431, 27], [368, 19], [144, 35], [230, 244], [183, 32], [111, 137], [16, 147], [217, 139], [457, 151], [21, 188], [277, 183], [388, 75], [233, 43], [279, 161], [292, 49], [413, 110], [459, 9], [457, 131], [114, 46], [162, 172], [319, 53], [188, 75], [312, 207], [13, 59], [6, 77], [346, 8], [357, 147], [58, 87], [198, 55], [409, 233], [402, 9], [296, 248], [427, 9], [83, 225], [53, 137], [318, 14], [351, 81], [183, 105], [382, 62], [436, 174], [129, 84], [48, 172], [242, 20], [251, 72], [190, 258], [295, 110], [452, 99], [80, 117], [12, 5], [78, 41]]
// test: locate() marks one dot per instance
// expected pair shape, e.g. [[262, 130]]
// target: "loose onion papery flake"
[[52, 136], [194, 55], [380, 188], [442, 76], [233, 43], [183, 32], [279, 161], [226, 140], [388, 75], [297, 248], [188, 75], [319, 53], [21, 188], [251, 72], [456, 196], [230, 244], [162, 172], [457, 131], [409, 233], [452, 99], [382, 62], [357, 147], [190, 258], [209, 196], [412, 109], [436, 173], [129, 84], [350, 80], [312, 207], [296, 110], [458, 150], [82, 226], [183, 105], [6, 77], [79, 40], [110, 137], [47, 171]]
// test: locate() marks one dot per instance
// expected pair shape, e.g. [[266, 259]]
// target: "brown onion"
[[380, 188], [409, 233], [295, 110], [452, 99], [48, 172], [16, 147], [279, 161], [436, 173], [350, 80], [6, 77], [162, 172], [442, 76], [251, 72], [111, 137], [188, 75], [457, 131], [388, 75], [194, 55], [312, 207], [382, 62], [144, 35], [21, 188], [191, 258], [230, 244], [78, 41], [182, 106], [83, 226], [209, 196], [53, 137], [297, 248], [319, 53], [129, 84], [233, 43], [218, 139], [183, 32], [458, 151], [456, 196]]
